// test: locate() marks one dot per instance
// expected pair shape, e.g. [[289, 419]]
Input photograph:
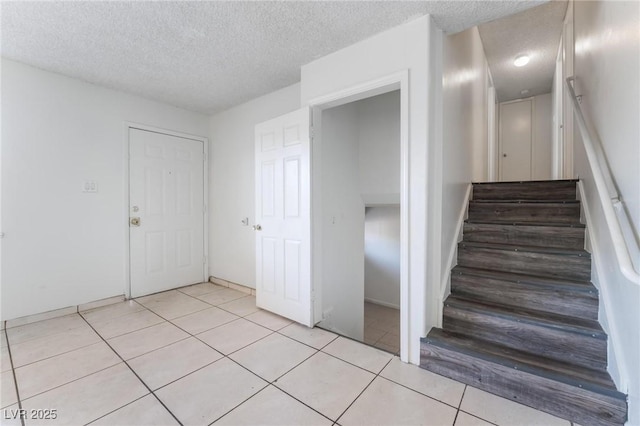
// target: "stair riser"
[[571, 267], [539, 236], [526, 296], [560, 399], [525, 212], [561, 345], [526, 191]]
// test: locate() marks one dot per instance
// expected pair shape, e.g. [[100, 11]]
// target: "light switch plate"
[[90, 186]]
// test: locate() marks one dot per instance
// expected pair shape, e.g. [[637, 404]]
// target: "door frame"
[[128, 125], [491, 128], [385, 84], [533, 135]]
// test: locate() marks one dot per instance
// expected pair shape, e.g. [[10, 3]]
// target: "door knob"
[[135, 221], [257, 228], [504, 155]]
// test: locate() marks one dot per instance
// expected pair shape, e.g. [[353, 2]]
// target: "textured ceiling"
[[535, 32], [209, 56]]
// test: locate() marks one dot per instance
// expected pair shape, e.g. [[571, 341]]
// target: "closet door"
[[516, 140]]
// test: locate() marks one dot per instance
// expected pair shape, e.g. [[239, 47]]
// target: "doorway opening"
[[357, 218]]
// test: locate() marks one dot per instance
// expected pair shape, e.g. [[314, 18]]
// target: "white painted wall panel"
[[542, 138], [413, 46], [379, 146], [382, 255], [607, 66], [464, 129], [342, 223], [63, 247], [231, 190]]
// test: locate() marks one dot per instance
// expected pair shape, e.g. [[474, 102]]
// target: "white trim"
[[491, 133], [445, 287], [399, 80], [381, 303], [532, 163], [567, 70], [605, 297], [557, 152], [128, 125]]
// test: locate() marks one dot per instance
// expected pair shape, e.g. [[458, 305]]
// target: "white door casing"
[[516, 139], [283, 216], [166, 193]]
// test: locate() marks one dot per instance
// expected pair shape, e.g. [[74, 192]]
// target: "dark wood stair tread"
[[541, 224], [585, 378], [525, 201], [543, 319], [526, 182], [530, 190], [522, 317], [568, 285], [529, 249]]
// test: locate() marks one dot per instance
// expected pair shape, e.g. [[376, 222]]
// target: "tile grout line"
[[477, 417], [417, 391], [273, 383], [238, 405], [136, 374], [119, 408], [52, 356], [71, 381], [461, 410], [15, 379], [462, 397], [363, 390]]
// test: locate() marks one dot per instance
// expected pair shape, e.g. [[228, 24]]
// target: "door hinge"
[[312, 132], [204, 208], [204, 260]]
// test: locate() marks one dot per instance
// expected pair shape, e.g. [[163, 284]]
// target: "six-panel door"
[[283, 213], [166, 209]]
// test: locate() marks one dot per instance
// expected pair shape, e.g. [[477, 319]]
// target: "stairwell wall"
[[465, 115], [607, 66]]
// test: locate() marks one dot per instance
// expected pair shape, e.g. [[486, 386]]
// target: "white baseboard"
[[604, 293], [29, 319], [381, 303], [232, 285], [452, 259]]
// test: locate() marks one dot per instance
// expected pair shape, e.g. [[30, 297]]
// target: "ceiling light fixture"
[[521, 60]]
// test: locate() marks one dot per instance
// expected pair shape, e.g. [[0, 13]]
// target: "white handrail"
[[607, 191]]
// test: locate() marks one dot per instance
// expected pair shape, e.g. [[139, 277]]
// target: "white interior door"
[[283, 216], [166, 209], [515, 140]]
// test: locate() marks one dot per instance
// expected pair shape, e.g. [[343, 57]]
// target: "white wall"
[[541, 162], [232, 189], [342, 219], [464, 94], [63, 247], [382, 255], [379, 146], [414, 47], [607, 66]]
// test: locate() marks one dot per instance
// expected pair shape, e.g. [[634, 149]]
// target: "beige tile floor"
[[382, 327], [175, 358]]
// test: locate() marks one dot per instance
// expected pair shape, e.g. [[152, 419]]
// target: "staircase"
[[522, 318]]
